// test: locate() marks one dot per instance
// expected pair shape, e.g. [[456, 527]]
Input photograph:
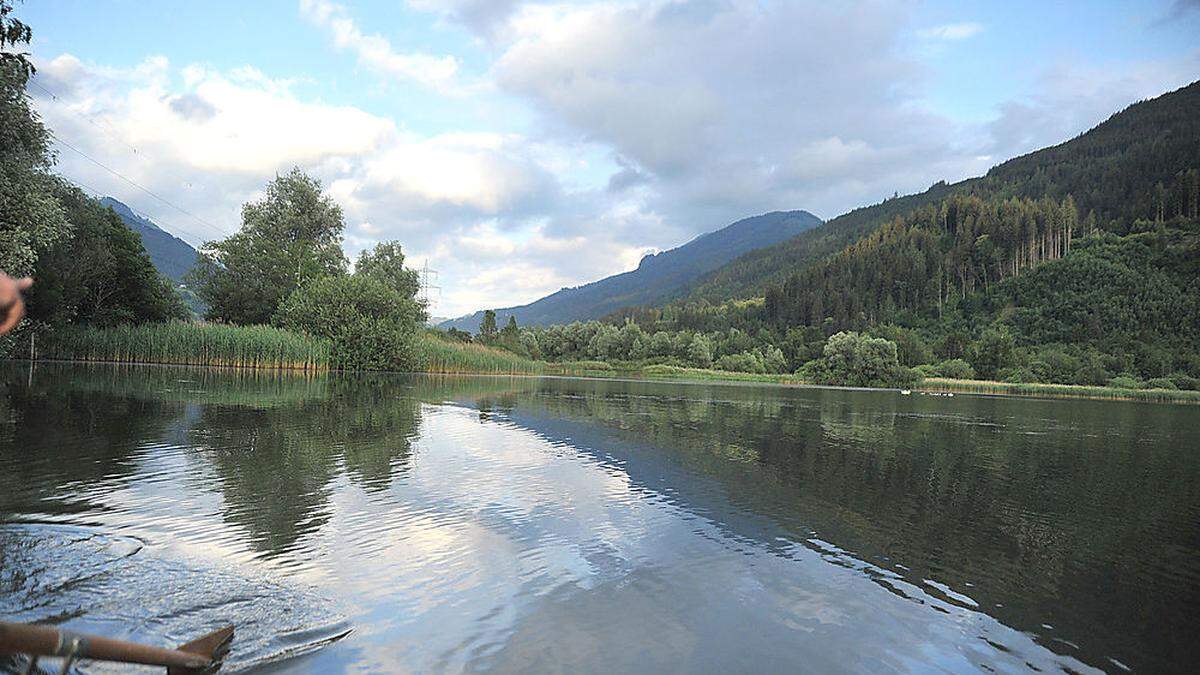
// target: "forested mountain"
[[1078, 263], [172, 256], [1122, 169], [658, 278]]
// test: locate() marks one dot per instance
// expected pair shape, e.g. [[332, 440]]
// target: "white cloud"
[[642, 124], [486, 208], [724, 109], [376, 52], [1069, 98], [482, 16], [951, 32]]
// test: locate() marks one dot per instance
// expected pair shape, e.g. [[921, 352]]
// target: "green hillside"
[[1075, 264], [1120, 170], [172, 256]]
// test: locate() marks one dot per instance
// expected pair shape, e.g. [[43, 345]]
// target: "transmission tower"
[[429, 290]]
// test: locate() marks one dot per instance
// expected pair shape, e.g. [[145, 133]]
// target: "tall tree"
[[487, 327], [14, 32], [100, 275], [31, 219], [385, 263], [510, 335], [290, 237]]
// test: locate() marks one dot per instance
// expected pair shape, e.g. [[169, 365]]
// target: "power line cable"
[[112, 134], [137, 185], [107, 128], [155, 220]]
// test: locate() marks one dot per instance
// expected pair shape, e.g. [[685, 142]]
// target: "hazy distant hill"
[[658, 278], [172, 256]]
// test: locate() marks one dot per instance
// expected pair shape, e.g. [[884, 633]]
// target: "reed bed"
[[1057, 390], [188, 344], [435, 355], [667, 372]]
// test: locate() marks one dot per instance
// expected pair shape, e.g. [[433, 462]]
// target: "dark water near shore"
[[599, 526]]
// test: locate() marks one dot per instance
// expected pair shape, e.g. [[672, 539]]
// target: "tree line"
[[90, 268], [285, 266]]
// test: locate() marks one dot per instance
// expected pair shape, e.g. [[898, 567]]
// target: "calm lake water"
[[404, 523]]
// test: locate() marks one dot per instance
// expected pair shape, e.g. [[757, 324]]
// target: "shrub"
[[1124, 381], [957, 369], [927, 370], [1054, 364], [371, 325], [1017, 374], [1185, 381], [994, 352], [699, 352], [856, 360], [911, 350], [438, 354], [1160, 383], [746, 362]]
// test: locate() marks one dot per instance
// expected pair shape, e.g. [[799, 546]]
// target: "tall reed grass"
[[188, 344], [1057, 390], [435, 355]]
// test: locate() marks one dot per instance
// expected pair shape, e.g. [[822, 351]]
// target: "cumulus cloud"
[[484, 17], [480, 205], [735, 107], [1070, 98], [376, 52], [642, 125], [951, 32]]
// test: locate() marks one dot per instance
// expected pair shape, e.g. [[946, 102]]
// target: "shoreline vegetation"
[[1077, 264], [268, 348]]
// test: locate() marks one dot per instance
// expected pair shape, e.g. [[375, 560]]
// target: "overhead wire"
[[60, 140], [154, 220]]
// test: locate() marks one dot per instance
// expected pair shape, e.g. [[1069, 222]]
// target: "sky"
[[518, 147]]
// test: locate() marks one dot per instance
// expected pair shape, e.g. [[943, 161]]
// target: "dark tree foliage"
[[14, 32], [747, 275], [487, 327], [385, 262], [101, 274], [854, 360], [372, 325], [1077, 263], [1114, 293], [30, 218], [924, 260], [1116, 168]]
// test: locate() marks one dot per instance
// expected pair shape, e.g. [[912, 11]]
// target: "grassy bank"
[[195, 344], [192, 344], [435, 355], [661, 372], [187, 344], [938, 384], [676, 373]]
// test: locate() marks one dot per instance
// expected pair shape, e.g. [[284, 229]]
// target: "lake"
[[390, 523]]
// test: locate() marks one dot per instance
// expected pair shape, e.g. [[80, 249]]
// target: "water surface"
[[390, 523]]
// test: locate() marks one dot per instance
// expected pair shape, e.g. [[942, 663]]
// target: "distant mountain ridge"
[[1111, 170], [172, 256], [658, 278]]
